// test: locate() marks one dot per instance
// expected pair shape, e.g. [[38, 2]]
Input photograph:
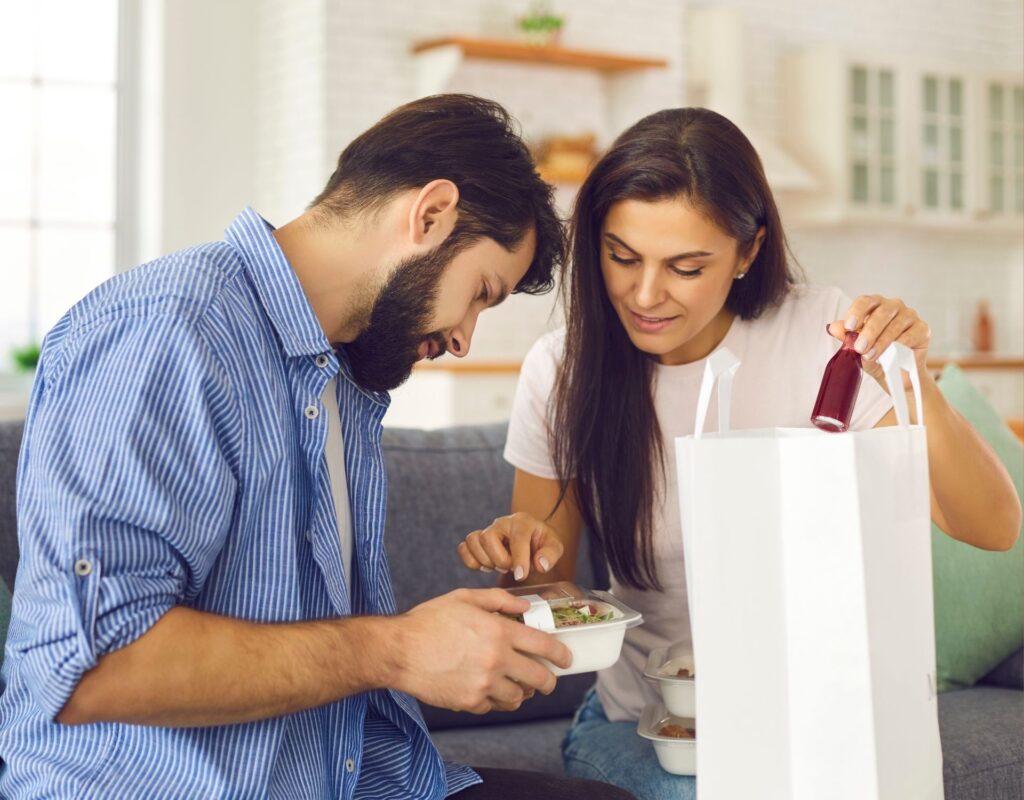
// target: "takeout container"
[[594, 645], [678, 693], [678, 756]]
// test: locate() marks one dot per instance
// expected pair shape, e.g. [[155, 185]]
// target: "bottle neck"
[[850, 340]]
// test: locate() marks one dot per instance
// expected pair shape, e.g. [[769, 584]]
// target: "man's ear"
[[434, 212]]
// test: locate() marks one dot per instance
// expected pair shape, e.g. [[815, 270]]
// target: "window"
[[58, 96], [872, 137], [1005, 145]]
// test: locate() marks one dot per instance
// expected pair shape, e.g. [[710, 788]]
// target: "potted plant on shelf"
[[541, 26], [26, 358]]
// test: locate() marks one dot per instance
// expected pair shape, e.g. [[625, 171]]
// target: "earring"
[[740, 277]]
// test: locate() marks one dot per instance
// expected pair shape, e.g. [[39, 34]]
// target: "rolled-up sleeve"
[[126, 490]]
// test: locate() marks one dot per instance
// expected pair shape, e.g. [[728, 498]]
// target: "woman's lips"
[[652, 324]]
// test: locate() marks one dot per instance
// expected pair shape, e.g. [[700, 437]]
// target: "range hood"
[[716, 74]]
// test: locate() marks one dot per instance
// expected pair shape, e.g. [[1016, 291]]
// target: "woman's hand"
[[882, 321], [517, 543]]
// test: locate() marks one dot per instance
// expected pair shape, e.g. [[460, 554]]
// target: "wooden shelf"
[[503, 50], [978, 361], [969, 362]]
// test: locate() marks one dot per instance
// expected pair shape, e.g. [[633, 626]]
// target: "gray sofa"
[[445, 483]]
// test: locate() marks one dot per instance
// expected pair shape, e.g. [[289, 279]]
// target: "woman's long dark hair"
[[605, 434]]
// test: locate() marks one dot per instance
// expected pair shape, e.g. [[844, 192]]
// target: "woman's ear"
[[433, 213], [755, 248]]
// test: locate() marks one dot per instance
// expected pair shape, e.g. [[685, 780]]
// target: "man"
[[202, 607]]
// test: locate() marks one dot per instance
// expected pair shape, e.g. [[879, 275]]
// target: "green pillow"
[[979, 595], [5, 617]]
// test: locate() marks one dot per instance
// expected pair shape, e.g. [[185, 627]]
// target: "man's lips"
[[428, 349]]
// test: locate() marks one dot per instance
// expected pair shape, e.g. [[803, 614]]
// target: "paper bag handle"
[[899, 357], [720, 367]]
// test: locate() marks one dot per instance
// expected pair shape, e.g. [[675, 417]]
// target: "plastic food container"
[[676, 755], [678, 691], [592, 624]]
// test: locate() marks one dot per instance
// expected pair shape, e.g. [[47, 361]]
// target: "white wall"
[[264, 95]]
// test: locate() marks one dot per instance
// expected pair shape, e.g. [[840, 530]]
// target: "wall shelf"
[[504, 50]]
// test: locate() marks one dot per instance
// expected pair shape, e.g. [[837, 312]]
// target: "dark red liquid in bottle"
[[839, 387]]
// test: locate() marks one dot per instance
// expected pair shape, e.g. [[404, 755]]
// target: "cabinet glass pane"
[[1018, 194], [995, 148], [1018, 105], [1018, 151], [995, 102], [859, 86], [885, 89], [859, 137], [956, 145], [956, 190], [859, 183], [886, 137], [71, 263], [931, 188], [15, 151], [16, 246], [887, 186], [995, 193], [956, 98], [77, 167], [931, 144], [931, 95]]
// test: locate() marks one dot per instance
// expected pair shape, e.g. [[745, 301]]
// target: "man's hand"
[[455, 652]]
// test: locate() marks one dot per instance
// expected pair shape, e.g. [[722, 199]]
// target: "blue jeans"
[[612, 752]]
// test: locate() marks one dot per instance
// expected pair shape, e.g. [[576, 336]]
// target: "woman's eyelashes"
[[631, 262], [485, 294]]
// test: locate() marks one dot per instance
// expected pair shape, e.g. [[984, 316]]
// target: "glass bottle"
[[839, 386]]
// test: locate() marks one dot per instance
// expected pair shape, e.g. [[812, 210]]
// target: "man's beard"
[[382, 357]]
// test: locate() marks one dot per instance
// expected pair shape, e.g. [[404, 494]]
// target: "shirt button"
[[309, 535], [350, 765], [83, 567], [311, 412], [321, 361]]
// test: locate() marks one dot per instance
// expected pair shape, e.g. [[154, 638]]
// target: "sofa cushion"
[[10, 443], [1009, 674], [982, 745], [442, 484], [5, 616], [533, 746], [979, 595]]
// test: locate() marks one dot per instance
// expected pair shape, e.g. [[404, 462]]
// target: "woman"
[[678, 250]]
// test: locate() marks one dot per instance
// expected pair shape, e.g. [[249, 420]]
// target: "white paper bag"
[[808, 559]]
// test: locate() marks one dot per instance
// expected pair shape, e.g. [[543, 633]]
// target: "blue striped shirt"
[[174, 455]]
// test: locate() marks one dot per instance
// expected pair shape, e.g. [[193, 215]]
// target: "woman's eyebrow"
[[681, 256]]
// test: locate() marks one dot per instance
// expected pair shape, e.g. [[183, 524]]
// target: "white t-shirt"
[[783, 355], [334, 452]]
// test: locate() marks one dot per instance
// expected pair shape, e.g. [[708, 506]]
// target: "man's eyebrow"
[[503, 294], [679, 257]]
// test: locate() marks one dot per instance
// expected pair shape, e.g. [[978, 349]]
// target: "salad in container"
[[674, 739], [672, 669], [592, 624]]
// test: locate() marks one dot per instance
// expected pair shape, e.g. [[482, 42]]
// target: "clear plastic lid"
[[573, 607], [673, 663], [658, 725]]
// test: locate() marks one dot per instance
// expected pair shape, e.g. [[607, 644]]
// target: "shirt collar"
[[277, 286]]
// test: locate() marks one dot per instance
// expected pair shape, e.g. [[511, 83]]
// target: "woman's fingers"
[[476, 549]]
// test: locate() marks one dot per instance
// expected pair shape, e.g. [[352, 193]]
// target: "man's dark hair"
[[475, 144]]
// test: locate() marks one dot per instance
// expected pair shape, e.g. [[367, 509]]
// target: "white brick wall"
[[328, 69]]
